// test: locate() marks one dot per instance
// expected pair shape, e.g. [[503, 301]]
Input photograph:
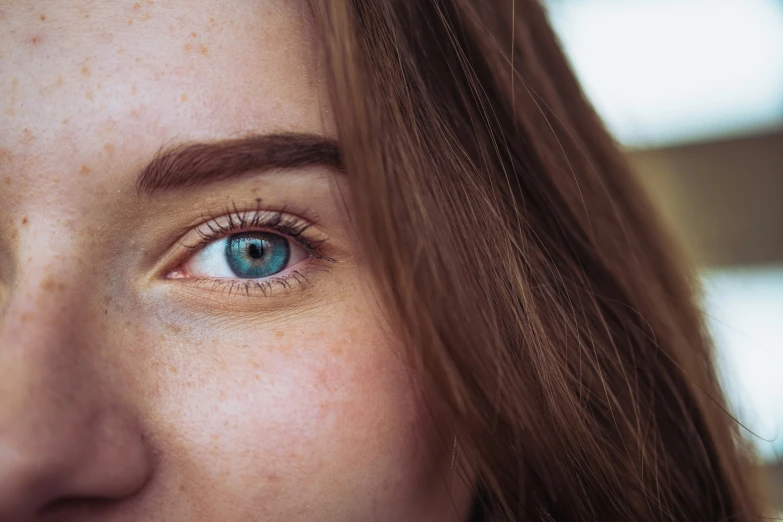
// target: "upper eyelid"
[[238, 220], [279, 221]]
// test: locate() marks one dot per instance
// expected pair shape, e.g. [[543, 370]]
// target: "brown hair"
[[545, 310]]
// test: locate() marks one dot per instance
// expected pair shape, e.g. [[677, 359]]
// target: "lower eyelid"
[[290, 280]]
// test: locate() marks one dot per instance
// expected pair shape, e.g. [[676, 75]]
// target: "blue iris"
[[251, 255]]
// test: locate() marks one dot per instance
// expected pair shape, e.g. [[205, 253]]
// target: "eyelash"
[[287, 225]]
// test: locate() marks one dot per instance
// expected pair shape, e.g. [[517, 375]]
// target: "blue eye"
[[252, 255], [247, 255]]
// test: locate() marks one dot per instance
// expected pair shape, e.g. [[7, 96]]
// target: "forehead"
[[94, 79]]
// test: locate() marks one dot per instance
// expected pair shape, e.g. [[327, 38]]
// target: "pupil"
[[255, 251]]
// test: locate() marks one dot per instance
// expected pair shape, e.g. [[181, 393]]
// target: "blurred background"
[[694, 90]]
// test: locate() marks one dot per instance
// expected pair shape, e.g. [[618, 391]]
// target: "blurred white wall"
[[744, 309], [668, 71]]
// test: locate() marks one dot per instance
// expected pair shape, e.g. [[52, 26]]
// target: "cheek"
[[305, 415]]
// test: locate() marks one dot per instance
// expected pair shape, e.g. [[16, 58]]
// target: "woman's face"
[[194, 338]]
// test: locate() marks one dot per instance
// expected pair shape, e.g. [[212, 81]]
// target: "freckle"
[[89, 95], [278, 334], [130, 21], [109, 148], [43, 18], [193, 35], [10, 111], [85, 70], [15, 82], [173, 369], [65, 121], [35, 39], [203, 49], [59, 81], [48, 284], [137, 60], [183, 98], [137, 5], [28, 136], [187, 47], [87, 15], [85, 170], [121, 50]]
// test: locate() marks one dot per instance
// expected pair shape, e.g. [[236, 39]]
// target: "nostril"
[[76, 508]]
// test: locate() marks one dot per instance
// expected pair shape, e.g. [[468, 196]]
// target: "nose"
[[68, 439]]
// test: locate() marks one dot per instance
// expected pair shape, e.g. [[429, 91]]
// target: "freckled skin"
[[163, 400]]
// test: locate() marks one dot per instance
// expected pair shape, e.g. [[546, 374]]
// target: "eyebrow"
[[199, 164]]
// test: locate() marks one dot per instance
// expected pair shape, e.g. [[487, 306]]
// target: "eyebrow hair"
[[198, 164]]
